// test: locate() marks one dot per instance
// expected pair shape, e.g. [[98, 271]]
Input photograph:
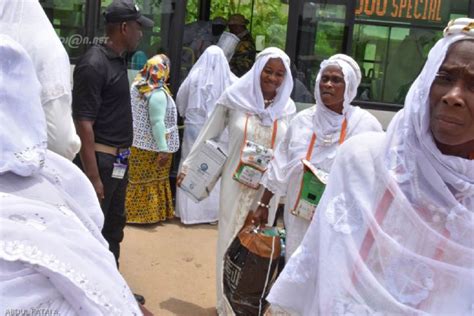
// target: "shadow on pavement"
[[175, 221], [182, 308]]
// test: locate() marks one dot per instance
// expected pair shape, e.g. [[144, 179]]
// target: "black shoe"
[[140, 298]]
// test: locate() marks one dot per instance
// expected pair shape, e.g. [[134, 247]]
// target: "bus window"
[[197, 36], [155, 40], [370, 50], [320, 35], [268, 19], [391, 43], [67, 17]]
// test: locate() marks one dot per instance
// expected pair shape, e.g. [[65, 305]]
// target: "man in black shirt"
[[102, 114]]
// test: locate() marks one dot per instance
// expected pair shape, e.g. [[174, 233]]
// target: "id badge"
[[313, 185], [248, 176], [256, 155], [119, 170], [253, 163]]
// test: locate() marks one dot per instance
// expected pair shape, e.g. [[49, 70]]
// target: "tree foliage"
[[267, 17]]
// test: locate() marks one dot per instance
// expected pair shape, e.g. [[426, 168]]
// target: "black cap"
[[125, 10]]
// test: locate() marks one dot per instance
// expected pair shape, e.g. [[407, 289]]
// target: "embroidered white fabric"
[[246, 95], [206, 81], [22, 155], [21, 20], [413, 252], [52, 253]]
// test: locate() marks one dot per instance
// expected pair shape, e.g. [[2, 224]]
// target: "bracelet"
[[267, 206]]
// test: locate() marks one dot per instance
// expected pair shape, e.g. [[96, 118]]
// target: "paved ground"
[[173, 266]]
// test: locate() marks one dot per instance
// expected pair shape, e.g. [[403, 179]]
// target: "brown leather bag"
[[250, 268]]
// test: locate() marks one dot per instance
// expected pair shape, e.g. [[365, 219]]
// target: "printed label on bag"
[[119, 170], [313, 185], [249, 176], [256, 155]]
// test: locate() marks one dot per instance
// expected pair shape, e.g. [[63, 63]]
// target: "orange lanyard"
[[342, 137]]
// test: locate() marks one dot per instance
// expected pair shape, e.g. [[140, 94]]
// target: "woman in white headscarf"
[[394, 232], [21, 20], [196, 99], [256, 110], [53, 258], [315, 134]]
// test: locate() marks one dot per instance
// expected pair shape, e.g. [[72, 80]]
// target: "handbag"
[[250, 268]]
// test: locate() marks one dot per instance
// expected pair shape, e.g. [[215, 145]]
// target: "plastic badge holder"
[[254, 161], [313, 185], [204, 170]]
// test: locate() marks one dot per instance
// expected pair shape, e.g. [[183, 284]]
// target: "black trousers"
[[113, 205]]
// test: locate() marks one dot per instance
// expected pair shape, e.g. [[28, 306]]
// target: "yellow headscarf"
[[153, 75]]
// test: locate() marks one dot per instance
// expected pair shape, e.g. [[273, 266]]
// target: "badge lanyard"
[[251, 171], [309, 153], [120, 165]]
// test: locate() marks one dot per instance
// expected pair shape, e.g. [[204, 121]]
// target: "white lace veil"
[[246, 94], [394, 231], [205, 83]]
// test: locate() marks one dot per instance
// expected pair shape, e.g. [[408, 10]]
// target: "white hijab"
[[52, 253], [246, 93], [206, 81], [412, 154], [326, 121], [22, 20]]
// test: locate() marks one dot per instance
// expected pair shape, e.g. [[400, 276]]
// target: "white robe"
[[236, 199], [196, 100], [286, 169]]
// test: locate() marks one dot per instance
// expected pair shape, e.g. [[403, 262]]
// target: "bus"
[[390, 39]]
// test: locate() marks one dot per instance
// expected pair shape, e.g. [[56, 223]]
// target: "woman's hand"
[[260, 216], [180, 178], [162, 159]]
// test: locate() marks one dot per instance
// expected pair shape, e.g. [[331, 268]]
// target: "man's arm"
[[87, 153], [86, 102]]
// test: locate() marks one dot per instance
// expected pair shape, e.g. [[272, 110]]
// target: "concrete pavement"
[[173, 266]]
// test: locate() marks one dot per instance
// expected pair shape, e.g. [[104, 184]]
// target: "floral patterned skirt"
[[149, 198]]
